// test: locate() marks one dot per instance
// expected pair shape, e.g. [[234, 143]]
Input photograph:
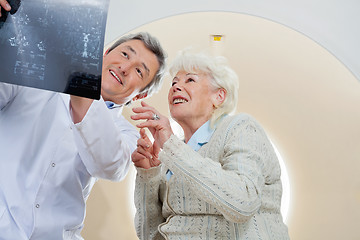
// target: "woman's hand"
[[145, 155], [160, 128]]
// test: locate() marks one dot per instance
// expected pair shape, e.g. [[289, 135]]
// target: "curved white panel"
[[332, 24]]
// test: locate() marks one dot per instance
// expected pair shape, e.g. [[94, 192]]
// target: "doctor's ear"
[[107, 51], [140, 96]]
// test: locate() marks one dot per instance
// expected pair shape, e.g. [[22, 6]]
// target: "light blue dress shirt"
[[201, 136], [198, 139], [112, 105]]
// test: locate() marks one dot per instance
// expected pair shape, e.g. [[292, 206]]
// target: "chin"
[[177, 115]]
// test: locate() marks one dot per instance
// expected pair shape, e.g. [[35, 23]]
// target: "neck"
[[190, 126], [107, 98]]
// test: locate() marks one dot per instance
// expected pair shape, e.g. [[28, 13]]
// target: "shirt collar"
[[201, 136], [111, 105]]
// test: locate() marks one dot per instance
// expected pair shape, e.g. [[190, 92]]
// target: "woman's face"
[[191, 97]]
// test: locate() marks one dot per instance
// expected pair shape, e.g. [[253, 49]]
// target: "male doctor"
[[54, 146]]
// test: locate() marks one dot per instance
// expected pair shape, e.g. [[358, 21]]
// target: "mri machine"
[[325, 198]]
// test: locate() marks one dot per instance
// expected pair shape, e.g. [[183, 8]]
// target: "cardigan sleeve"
[[147, 202], [232, 184]]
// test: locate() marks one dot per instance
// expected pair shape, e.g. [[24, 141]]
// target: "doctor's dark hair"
[[154, 46]]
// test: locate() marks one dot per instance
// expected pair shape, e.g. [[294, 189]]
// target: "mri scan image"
[[55, 45]]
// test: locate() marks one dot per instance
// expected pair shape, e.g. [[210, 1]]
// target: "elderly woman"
[[222, 181]]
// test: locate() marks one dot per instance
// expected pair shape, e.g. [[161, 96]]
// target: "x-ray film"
[[55, 45]]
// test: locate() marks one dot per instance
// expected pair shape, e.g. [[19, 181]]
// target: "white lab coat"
[[48, 165]]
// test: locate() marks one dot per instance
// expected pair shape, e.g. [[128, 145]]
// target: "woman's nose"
[[177, 88]]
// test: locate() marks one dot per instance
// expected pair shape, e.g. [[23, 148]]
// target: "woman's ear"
[[219, 97]]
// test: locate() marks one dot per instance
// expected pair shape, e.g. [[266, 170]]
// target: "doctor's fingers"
[[5, 5]]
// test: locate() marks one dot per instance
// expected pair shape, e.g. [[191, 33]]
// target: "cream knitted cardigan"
[[229, 189]]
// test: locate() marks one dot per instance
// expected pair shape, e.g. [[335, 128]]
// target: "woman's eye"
[[173, 83], [191, 80], [125, 54]]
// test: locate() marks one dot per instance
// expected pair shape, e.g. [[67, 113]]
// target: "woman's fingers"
[[155, 162], [145, 124], [158, 125], [144, 152], [140, 160], [145, 112], [144, 104], [143, 133], [142, 109], [143, 116], [143, 143], [144, 148], [156, 150], [137, 156]]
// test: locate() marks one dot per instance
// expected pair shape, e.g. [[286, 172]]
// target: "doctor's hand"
[[4, 4], [145, 155], [79, 107]]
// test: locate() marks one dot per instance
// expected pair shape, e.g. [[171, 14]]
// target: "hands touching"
[[160, 128], [146, 154]]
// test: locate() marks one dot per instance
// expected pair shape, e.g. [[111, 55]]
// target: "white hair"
[[221, 77]]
